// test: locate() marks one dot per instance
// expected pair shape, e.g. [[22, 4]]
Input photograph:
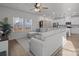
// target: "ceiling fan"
[[38, 7]]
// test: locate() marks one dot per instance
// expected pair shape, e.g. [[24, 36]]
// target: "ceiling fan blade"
[[38, 7]]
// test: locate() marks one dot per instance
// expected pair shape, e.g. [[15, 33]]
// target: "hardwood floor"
[[15, 49], [71, 48]]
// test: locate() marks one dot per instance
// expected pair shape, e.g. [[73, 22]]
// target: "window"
[[27, 23], [21, 24]]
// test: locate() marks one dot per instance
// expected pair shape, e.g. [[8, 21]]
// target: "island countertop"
[[43, 35], [53, 31]]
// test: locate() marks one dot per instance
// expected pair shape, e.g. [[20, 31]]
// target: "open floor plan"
[[39, 29]]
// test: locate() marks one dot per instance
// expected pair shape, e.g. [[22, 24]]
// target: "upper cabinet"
[[75, 21]]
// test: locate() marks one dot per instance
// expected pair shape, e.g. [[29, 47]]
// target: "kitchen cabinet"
[[48, 43], [75, 30], [4, 47], [17, 35]]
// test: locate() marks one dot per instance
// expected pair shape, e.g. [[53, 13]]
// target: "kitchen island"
[[48, 43]]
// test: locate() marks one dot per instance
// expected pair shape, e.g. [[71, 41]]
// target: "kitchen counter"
[[42, 35], [46, 43], [4, 47]]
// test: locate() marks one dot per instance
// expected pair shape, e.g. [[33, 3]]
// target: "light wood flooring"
[[71, 48], [15, 49]]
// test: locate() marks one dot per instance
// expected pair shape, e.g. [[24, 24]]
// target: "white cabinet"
[[4, 46], [75, 30], [75, 20], [49, 43], [17, 35], [75, 25], [68, 31]]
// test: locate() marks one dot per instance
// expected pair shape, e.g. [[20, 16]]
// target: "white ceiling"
[[54, 9]]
